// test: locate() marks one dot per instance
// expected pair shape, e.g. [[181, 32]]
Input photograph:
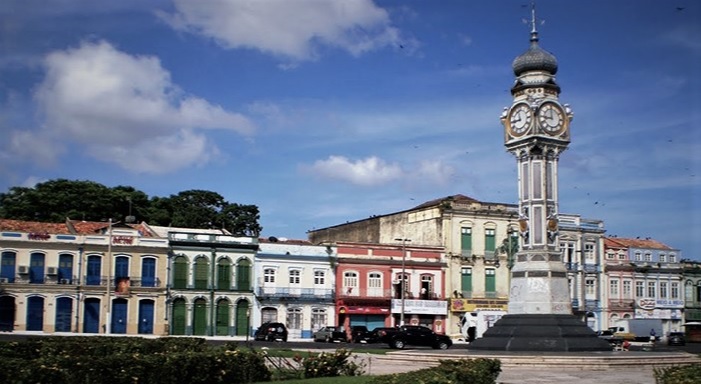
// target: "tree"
[[55, 200]]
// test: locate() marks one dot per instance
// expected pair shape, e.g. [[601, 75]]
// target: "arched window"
[[7, 270], [375, 284], [319, 318], [201, 272], [224, 274], [180, 273], [243, 275], [148, 272], [350, 283]]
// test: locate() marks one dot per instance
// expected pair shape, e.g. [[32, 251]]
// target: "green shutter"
[[466, 240], [201, 273], [222, 318], [490, 243], [224, 275], [242, 318], [466, 280], [199, 318], [178, 325], [180, 273], [243, 275], [490, 281]]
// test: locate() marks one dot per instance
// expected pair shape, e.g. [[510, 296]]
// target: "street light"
[[108, 304], [404, 241]]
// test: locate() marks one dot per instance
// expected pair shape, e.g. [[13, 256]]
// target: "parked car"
[[676, 338], [271, 332], [359, 333], [605, 334], [416, 335], [382, 334], [330, 334]]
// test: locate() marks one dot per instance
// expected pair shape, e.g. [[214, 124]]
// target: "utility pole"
[[108, 306], [403, 289]]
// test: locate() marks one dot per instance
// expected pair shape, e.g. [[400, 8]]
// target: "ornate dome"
[[535, 59]]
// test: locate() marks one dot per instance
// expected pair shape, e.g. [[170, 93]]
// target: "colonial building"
[[653, 278], [83, 277], [384, 285], [210, 281], [582, 247], [294, 285]]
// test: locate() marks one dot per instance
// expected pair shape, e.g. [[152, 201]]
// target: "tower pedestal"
[[536, 333]]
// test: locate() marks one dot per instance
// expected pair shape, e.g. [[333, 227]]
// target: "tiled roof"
[[88, 227], [647, 243], [33, 226]]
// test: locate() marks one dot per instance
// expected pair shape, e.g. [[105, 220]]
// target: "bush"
[[474, 371], [128, 360], [681, 374]]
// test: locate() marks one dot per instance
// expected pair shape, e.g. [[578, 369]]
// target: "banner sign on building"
[[420, 307]]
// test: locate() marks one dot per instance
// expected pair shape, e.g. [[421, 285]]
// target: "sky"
[[321, 112]]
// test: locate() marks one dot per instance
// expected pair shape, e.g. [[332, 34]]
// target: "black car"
[[271, 332], [676, 338], [416, 335], [382, 334], [359, 333]]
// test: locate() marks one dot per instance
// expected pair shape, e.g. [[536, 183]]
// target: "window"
[[7, 270], [294, 318], [426, 290], [621, 256], [36, 268], [318, 318], [201, 272], [589, 253], [672, 258], [319, 278], [148, 272], [179, 272], [663, 258], [639, 289], [609, 255], [651, 288], [638, 256], [466, 241], [295, 276], [374, 284], [350, 283], [269, 275], [663, 290], [93, 271], [466, 280], [224, 274], [648, 257], [627, 289], [490, 280], [590, 287], [674, 294], [613, 289], [490, 240], [65, 268], [243, 274]]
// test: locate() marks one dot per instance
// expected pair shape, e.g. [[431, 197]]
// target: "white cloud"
[[290, 29], [367, 172], [115, 103], [26, 145]]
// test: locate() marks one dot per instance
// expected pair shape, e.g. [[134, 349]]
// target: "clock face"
[[520, 119], [551, 118]]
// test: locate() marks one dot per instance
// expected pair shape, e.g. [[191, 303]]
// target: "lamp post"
[[108, 306], [403, 289], [248, 323]]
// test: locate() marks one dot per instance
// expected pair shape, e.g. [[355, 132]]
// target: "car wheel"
[[398, 344], [442, 345]]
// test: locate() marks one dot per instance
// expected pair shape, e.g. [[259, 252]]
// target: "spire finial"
[[534, 23]]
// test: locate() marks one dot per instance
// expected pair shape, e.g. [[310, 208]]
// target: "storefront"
[[429, 313]]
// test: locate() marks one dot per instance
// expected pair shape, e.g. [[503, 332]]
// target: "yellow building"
[[82, 277]]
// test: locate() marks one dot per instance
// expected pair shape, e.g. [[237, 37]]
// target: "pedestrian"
[[652, 335]]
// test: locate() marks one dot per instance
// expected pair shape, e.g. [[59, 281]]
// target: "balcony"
[[572, 267], [270, 293], [591, 268], [591, 305]]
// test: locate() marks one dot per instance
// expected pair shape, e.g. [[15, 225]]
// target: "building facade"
[[385, 285], [295, 284], [653, 278], [210, 281], [81, 277]]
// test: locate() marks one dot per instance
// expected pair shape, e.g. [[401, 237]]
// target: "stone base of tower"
[[536, 333]]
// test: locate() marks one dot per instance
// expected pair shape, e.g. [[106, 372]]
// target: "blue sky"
[[321, 112]]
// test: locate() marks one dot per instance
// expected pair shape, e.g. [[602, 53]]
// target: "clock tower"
[[536, 132]]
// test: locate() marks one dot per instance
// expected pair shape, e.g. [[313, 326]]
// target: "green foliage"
[[330, 364], [681, 374], [127, 360], [473, 371], [56, 200]]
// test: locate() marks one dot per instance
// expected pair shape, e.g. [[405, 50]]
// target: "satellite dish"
[[130, 219], [272, 239]]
